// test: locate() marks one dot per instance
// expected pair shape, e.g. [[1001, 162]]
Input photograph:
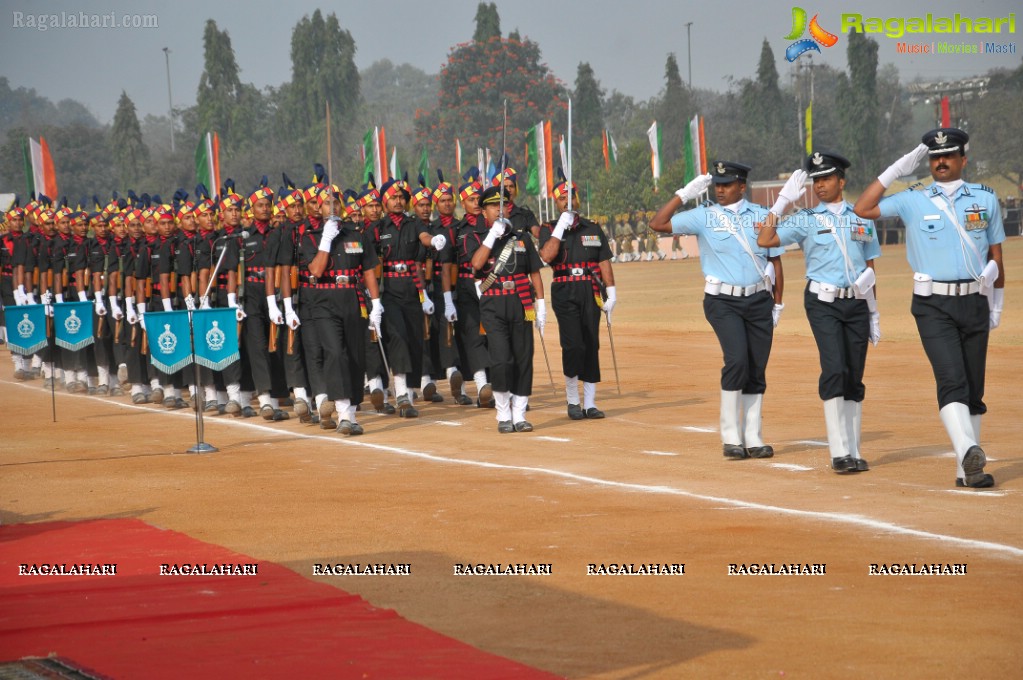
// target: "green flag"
[[29, 176], [424, 165], [368, 144], [532, 162], [688, 151]]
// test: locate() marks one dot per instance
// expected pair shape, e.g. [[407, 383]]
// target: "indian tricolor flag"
[[654, 135], [41, 176], [207, 161], [458, 157], [610, 150], [374, 155], [538, 160]]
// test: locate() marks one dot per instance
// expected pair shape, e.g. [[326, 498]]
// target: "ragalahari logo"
[[818, 36]]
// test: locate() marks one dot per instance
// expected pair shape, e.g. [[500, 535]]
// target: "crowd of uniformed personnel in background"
[[633, 240], [340, 295]]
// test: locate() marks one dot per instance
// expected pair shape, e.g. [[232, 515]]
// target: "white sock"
[[234, 393], [400, 386], [502, 401], [300, 393], [136, 388], [351, 413], [589, 395], [572, 389], [518, 407], [275, 402], [222, 397], [155, 384], [246, 398], [320, 398], [37, 361], [341, 406], [211, 393], [376, 384], [450, 372], [174, 392], [425, 381], [104, 375], [264, 400]]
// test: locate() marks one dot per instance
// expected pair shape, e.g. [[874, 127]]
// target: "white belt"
[[840, 293], [742, 291], [939, 288]]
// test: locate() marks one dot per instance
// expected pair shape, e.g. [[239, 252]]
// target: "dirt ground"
[[646, 485]]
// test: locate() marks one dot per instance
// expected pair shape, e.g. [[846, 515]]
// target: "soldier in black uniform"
[[446, 224], [521, 217], [472, 343], [334, 262], [137, 364], [14, 252], [583, 285], [505, 263], [101, 257], [70, 261]]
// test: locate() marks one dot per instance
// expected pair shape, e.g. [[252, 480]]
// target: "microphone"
[[237, 234]]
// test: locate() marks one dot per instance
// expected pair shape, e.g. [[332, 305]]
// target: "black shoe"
[[389, 409], [168, 402], [139, 398], [267, 412], [523, 426], [486, 395], [233, 408], [505, 427], [861, 465], [280, 415], [594, 413], [978, 481], [974, 461], [455, 382], [156, 396], [430, 391], [463, 400], [376, 397], [734, 452], [22, 374], [489, 404], [102, 390], [327, 423], [248, 412], [177, 403], [345, 427], [437, 399], [302, 410], [575, 412], [406, 409], [844, 465], [314, 418], [760, 451], [116, 391]]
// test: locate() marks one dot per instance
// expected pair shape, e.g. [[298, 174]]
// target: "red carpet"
[[139, 624]]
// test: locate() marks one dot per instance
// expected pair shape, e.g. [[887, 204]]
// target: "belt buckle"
[[401, 267], [578, 271], [508, 285], [341, 278], [313, 280]]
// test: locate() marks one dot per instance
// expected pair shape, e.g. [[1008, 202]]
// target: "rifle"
[[294, 301]]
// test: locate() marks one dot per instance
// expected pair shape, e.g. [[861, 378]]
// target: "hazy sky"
[[626, 42]]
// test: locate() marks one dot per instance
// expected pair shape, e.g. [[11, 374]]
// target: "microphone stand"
[[200, 401]]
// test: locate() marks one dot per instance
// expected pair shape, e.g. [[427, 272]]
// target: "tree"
[[587, 104], [488, 23], [82, 160], [996, 127], [674, 112], [766, 137], [860, 111], [322, 70], [219, 86], [130, 152]]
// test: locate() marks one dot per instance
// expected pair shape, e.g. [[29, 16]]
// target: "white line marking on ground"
[[660, 453], [553, 439], [449, 423], [791, 466], [810, 442], [859, 521], [704, 430]]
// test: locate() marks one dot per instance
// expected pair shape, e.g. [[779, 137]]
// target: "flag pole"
[[330, 166]]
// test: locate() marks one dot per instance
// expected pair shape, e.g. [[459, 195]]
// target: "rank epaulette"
[[915, 187], [706, 203], [984, 187]]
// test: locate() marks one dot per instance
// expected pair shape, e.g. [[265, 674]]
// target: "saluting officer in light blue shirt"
[[742, 298], [953, 242], [840, 249]]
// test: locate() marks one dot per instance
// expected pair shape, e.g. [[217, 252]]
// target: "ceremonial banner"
[[170, 349], [654, 135], [207, 161], [216, 338], [809, 129], [26, 328], [72, 322]]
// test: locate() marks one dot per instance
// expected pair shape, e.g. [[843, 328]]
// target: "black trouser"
[[954, 331], [138, 364], [342, 333], [438, 355], [575, 305], [295, 374], [103, 346], [472, 345], [267, 369], [510, 343], [745, 331], [403, 328], [312, 346], [842, 331]]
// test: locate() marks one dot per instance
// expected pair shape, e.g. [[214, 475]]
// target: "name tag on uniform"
[[591, 241], [931, 218], [251, 244], [354, 247], [520, 246]]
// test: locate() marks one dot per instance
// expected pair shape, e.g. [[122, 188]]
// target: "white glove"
[[142, 317], [497, 230], [875, 328], [330, 232], [49, 310], [19, 296], [290, 317], [997, 301], [83, 296], [101, 308], [168, 305], [60, 298], [276, 317], [776, 313], [30, 298], [239, 314], [794, 188], [232, 300], [130, 314], [204, 302], [609, 303], [190, 303], [565, 222], [692, 191], [541, 315], [46, 298], [115, 309], [376, 314], [427, 305], [450, 312], [438, 242], [903, 166]]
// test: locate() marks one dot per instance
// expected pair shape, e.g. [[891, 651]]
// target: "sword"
[[614, 357], [546, 358]]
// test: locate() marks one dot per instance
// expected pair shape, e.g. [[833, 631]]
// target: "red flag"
[[607, 159], [946, 114], [49, 176]]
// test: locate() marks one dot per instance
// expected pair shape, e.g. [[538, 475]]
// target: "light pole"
[[170, 99], [689, 51]]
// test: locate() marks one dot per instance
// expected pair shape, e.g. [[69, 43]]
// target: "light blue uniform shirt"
[[933, 245], [718, 232], [815, 230]]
